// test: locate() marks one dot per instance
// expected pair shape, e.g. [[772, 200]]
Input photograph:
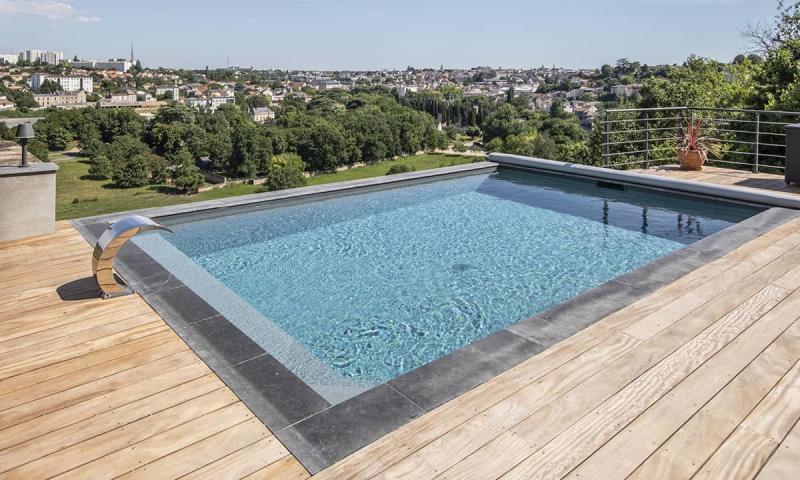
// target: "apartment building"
[[44, 56], [60, 99], [69, 84], [116, 65]]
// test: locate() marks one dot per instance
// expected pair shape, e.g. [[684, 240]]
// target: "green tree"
[[132, 171], [257, 101], [89, 139], [250, 150], [778, 80], [38, 149], [323, 145], [545, 147], [119, 153], [372, 134], [101, 167], [503, 122], [24, 101], [56, 137], [286, 171], [50, 86], [159, 169], [399, 168], [185, 175], [701, 82]]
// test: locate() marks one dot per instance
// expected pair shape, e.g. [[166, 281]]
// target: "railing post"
[[758, 140], [605, 139], [646, 140]]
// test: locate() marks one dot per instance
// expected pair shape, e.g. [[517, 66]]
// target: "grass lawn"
[[77, 195]]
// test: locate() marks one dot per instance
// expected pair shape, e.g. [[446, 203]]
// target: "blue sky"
[[363, 34]]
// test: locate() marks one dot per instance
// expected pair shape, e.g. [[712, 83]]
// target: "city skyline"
[[359, 35]]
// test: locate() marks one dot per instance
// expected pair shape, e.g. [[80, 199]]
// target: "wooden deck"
[[94, 388], [725, 176], [699, 380]]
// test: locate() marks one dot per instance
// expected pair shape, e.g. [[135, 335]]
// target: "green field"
[[77, 195]]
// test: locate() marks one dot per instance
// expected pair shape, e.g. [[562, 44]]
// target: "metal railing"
[[647, 137]]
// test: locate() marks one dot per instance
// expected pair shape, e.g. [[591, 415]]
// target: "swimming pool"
[[354, 291]]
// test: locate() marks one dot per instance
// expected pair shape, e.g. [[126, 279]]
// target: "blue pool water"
[[376, 284]]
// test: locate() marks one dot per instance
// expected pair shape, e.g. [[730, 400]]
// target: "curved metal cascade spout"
[[108, 246]]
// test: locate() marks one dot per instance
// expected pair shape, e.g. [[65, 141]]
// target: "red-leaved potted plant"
[[694, 148]]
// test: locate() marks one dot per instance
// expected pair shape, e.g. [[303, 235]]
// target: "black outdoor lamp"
[[24, 133]]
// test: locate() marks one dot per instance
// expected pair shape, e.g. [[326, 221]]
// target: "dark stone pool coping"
[[319, 434]]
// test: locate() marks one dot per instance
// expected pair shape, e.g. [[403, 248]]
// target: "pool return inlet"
[[109, 244]]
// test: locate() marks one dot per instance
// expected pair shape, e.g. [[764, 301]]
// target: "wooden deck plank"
[[90, 407], [161, 444], [97, 388], [87, 375], [287, 468], [750, 446], [243, 462], [646, 433], [785, 462], [725, 176], [547, 423], [182, 396], [92, 388], [204, 452], [544, 424], [691, 445], [559, 456], [86, 361], [86, 452]]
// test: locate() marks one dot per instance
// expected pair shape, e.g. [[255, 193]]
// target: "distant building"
[[211, 103], [116, 65], [6, 104], [60, 99], [262, 114], [69, 84], [126, 98], [44, 56], [329, 84], [175, 91], [403, 90], [8, 58], [625, 91], [580, 92]]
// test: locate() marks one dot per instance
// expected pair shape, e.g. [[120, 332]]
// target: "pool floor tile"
[[344, 428], [273, 393], [218, 342], [508, 348], [447, 377], [180, 305]]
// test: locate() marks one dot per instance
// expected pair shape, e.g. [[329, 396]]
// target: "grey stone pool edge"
[[319, 434]]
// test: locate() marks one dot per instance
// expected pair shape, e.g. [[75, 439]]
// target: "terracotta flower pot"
[[691, 159]]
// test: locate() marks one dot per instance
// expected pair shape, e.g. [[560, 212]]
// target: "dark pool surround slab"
[[319, 434]]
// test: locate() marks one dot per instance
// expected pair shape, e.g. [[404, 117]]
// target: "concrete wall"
[[27, 200]]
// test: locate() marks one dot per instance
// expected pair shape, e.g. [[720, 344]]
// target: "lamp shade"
[[25, 130]]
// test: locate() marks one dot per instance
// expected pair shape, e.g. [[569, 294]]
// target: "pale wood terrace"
[[725, 176], [700, 379], [94, 388]]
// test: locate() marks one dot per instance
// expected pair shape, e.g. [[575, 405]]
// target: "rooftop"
[[699, 378]]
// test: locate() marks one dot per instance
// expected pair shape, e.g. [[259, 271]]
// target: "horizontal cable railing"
[[648, 137]]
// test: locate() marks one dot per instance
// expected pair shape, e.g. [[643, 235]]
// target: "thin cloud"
[[51, 9]]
